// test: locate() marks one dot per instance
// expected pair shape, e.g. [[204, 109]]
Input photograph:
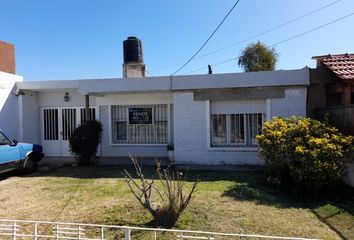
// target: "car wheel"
[[30, 165]]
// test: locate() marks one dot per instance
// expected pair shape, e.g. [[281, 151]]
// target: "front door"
[[50, 134], [68, 124], [58, 124]]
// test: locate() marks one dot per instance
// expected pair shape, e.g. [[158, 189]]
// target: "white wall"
[[241, 106], [191, 127], [278, 78], [9, 111], [294, 103], [190, 122], [56, 99], [298, 77], [29, 123], [135, 99], [32, 104]]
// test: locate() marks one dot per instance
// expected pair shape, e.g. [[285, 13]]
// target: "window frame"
[[10, 142], [228, 133], [110, 125], [229, 146]]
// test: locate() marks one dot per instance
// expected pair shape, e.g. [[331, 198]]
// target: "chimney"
[[133, 65], [7, 57]]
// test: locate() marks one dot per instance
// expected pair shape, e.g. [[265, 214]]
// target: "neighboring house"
[[7, 57], [331, 91], [209, 119], [9, 113]]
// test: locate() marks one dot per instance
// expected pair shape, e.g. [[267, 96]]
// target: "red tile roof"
[[342, 65]]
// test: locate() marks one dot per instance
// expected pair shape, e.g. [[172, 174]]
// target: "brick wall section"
[[191, 129], [7, 57]]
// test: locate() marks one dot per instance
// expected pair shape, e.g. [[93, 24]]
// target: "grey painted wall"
[[108, 150]]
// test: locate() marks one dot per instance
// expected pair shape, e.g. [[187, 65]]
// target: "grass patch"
[[234, 202]]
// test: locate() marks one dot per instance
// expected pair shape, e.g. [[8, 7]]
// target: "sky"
[[81, 39]]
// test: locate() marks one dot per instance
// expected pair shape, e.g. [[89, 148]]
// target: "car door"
[[9, 153]]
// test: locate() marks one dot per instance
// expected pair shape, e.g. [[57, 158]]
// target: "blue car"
[[14, 155]]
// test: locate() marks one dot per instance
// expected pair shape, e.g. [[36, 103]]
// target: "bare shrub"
[[164, 205]]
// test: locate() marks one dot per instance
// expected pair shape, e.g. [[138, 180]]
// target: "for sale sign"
[[140, 115]]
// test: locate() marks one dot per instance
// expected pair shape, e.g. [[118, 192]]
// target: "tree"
[[258, 57]]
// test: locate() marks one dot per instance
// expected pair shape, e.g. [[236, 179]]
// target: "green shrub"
[[303, 154], [85, 140]]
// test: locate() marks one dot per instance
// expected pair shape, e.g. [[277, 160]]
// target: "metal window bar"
[[53, 117], [125, 133], [45, 124], [68, 122], [255, 121], [235, 130], [62, 231], [219, 130], [50, 124], [92, 114]]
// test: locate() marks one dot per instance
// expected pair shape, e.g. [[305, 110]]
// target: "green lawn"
[[233, 202]]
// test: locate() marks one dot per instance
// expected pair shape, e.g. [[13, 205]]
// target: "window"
[[235, 130], [150, 127], [4, 140]]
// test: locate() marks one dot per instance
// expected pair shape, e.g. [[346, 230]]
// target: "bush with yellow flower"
[[304, 154]]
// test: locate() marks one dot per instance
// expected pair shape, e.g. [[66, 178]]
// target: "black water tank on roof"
[[133, 50]]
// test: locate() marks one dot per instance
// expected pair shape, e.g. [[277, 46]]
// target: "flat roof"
[[298, 77]]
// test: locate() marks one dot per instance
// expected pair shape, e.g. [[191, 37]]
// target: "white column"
[[20, 118], [87, 107], [268, 109]]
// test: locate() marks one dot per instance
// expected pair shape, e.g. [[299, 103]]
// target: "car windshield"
[[4, 140]]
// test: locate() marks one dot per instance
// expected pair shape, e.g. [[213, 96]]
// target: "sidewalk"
[[52, 163]]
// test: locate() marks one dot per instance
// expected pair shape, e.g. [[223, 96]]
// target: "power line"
[[217, 28], [282, 41], [213, 65], [270, 30], [314, 29], [256, 35]]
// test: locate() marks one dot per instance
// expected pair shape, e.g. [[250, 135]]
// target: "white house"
[[209, 119]]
